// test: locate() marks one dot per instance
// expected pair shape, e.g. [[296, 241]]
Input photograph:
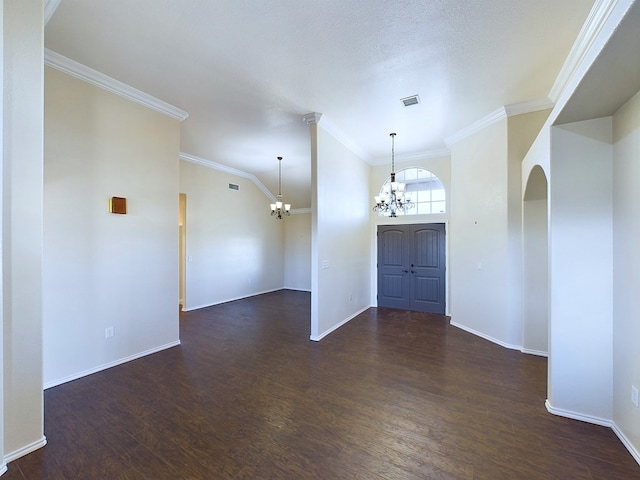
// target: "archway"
[[535, 328]]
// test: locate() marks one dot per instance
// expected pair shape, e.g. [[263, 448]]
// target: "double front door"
[[411, 267]]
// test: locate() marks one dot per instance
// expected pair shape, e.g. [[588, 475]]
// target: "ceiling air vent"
[[233, 186], [408, 101]]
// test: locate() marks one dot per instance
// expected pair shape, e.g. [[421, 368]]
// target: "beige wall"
[[580, 215], [104, 270], [479, 236], [626, 268], [297, 252], [341, 275], [234, 247], [22, 226]]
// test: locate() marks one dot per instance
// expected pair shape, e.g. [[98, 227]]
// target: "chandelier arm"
[[279, 208]]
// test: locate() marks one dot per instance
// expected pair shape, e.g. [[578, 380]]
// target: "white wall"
[[3, 465], [479, 235], [101, 269], [580, 211], [341, 243], [234, 247], [22, 226], [626, 268], [297, 249]]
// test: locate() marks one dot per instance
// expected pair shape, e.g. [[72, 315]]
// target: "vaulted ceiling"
[[246, 71]]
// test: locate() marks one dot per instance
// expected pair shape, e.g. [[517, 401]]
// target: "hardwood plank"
[[390, 395]]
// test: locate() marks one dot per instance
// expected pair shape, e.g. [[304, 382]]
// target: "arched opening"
[[535, 326], [422, 187]]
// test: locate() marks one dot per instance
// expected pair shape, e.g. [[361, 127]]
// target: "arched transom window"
[[425, 190]]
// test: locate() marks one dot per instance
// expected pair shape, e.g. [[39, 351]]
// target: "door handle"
[[413, 271], [405, 271]]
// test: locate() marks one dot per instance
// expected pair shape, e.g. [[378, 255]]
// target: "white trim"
[[298, 211], [412, 157], [312, 118], [198, 307], [592, 27], [625, 441], [486, 337], [497, 115], [233, 171], [3, 469], [476, 126], [335, 327], [296, 289], [50, 7], [89, 75], [335, 132], [21, 452], [538, 353], [528, 107], [105, 366], [596, 421], [577, 416], [442, 152]]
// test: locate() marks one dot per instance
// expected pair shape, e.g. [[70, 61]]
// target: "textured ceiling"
[[248, 70]]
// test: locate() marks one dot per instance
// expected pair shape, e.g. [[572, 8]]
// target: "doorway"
[[411, 267], [535, 328], [182, 247]]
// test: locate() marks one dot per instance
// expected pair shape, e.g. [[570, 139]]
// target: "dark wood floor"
[[390, 395]]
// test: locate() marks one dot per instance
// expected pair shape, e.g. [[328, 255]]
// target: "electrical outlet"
[[634, 395], [350, 297], [108, 332]]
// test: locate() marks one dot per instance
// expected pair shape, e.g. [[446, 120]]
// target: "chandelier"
[[393, 200], [279, 208]]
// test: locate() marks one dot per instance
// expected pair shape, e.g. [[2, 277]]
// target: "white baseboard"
[[21, 452], [577, 416], [486, 337], [198, 307], [317, 338], [538, 353], [99, 368], [597, 421], [625, 441], [297, 289], [3, 469]]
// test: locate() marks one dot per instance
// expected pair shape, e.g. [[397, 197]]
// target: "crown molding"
[[49, 9], [89, 75], [412, 157], [299, 211], [336, 133], [312, 118], [442, 152], [592, 27], [233, 171], [497, 115], [528, 107], [484, 122]]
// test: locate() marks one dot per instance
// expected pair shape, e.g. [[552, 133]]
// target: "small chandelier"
[[393, 200], [279, 208]]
